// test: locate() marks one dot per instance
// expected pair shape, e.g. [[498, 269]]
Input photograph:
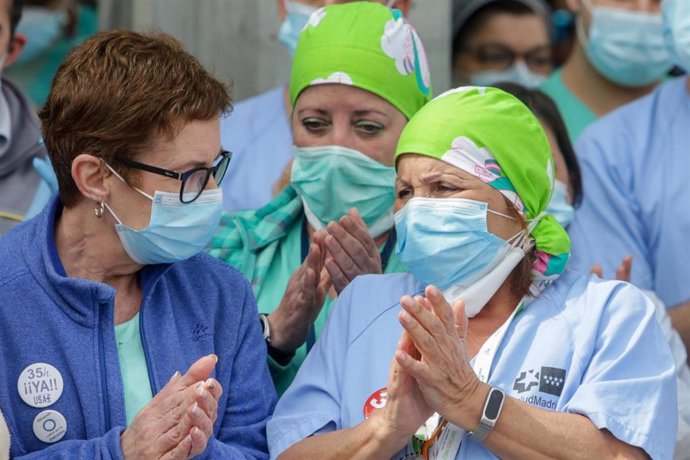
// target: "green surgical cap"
[[496, 138], [365, 45]]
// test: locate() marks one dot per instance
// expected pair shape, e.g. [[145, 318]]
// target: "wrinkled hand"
[[351, 251], [440, 365], [622, 272], [405, 410], [178, 422], [303, 299]]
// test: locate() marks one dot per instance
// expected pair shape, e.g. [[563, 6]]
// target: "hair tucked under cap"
[[490, 134], [365, 45]]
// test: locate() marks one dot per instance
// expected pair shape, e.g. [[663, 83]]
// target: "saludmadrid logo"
[[537, 400]]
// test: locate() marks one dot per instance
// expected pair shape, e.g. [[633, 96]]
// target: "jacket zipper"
[[144, 346], [104, 376]]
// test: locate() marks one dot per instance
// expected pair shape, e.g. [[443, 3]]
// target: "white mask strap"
[[116, 174], [500, 214]]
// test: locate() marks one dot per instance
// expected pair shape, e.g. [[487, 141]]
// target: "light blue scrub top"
[[584, 346], [258, 134], [635, 166], [135, 375]]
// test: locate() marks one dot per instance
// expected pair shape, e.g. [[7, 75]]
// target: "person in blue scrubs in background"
[[531, 360], [636, 172], [618, 56], [258, 130]]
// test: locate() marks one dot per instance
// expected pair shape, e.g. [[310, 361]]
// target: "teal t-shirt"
[[575, 113], [135, 375]]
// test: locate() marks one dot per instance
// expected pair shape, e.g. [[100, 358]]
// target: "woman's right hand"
[[178, 422], [405, 410], [303, 299]]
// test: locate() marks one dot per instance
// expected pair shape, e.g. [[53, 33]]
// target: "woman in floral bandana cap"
[[359, 73], [489, 347]]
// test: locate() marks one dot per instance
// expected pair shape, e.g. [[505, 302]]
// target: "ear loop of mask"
[[116, 174]]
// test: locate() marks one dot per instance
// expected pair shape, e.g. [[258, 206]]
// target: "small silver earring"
[[99, 210]]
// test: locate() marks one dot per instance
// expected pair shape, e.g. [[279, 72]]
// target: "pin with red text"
[[375, 402], [40, 385], [50, 426]]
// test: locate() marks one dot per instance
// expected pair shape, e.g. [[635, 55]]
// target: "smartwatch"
[[281, 357], [492, 409]]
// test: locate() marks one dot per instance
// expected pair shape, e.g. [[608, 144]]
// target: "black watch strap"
[[281, 357]]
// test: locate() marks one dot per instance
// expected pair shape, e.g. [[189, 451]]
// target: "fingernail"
[[406, 301], [405, 318], [175, 375], [400, 356], [434, 292], [215, 358], [195, 410], [210, 384]]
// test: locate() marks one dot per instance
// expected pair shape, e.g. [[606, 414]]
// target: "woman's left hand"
[[351, 250], [443, 371]]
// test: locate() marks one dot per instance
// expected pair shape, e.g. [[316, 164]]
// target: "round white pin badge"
[[50, 426], [40, 385]]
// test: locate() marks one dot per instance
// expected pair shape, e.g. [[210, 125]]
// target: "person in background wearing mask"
[[106, 295], [636, 179], [619, 56], [531, 360], [258, 131], [360, 72], [567, 196], [501, 40], [53, 28], [19, 129]]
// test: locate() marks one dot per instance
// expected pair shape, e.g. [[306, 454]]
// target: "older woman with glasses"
[[105, 295]]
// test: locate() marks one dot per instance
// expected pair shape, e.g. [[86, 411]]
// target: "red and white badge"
[[375, 402]]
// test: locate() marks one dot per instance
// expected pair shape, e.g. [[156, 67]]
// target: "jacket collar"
[[80, 299]]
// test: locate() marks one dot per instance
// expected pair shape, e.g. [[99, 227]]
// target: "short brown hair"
[[116, 93]]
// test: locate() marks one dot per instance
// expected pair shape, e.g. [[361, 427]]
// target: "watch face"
[[493, 405]]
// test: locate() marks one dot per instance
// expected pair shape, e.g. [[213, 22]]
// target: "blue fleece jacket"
[[189, 309]]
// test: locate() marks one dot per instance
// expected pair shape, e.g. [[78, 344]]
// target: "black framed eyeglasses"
[[193, 181], [501, 57]]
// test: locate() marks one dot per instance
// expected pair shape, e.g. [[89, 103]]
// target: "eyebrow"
[[309, 109], [360, 113]]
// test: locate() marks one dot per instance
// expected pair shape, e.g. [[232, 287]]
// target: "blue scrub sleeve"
[[312, 403], [607, 226], [628, 384]]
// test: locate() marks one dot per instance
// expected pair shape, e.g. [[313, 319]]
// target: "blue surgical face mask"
[[42, 28], [333, 179], [559, 206], [626, 47], [446, 242], [676, 15], [297, 17], [519, 73], [176, 230]]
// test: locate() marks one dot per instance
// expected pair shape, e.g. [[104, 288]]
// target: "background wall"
[[236, 39]]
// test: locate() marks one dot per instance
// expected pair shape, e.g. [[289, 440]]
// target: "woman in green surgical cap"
[[489, 347], [359, 73]]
